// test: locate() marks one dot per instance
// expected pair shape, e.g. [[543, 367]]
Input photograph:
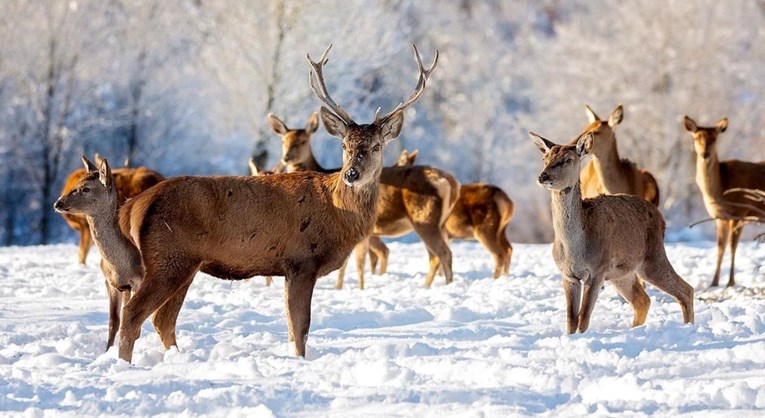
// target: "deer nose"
[[544, 177], [351, 175], [58, 205]]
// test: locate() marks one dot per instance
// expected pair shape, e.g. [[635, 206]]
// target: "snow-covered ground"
[[479, 347]]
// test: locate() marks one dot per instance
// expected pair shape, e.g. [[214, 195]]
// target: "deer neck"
[[708, 180], [356, 204], [568, 218], [608, 166], [111, 243]]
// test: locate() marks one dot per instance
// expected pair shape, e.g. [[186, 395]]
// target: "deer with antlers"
[[297, 225], [410, 199], [715, 178], [607, 172], [129, 182], [617, 238], [482, 212]]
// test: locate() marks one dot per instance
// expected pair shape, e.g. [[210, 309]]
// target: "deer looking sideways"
[[95, 197], [482, 212], [610, 238], [129, 182], [415, 198], [297, 225], [607, 173], [714, 178]]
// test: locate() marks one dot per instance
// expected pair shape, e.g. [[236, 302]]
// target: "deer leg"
[[589, 297], [736, 228], [438, 249], [340, 275], [489, 240], [361, 250], [508, 248], [298, 300], [291, 337], [659, 272], [269, 280], [114, 313], [378, 248], [158, 286], [165, 318], [631, 289], [572, 288], [722, 239], [85, 242]]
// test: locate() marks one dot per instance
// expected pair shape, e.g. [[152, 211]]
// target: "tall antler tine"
[[418, 58], [418, 90], [319, 87]]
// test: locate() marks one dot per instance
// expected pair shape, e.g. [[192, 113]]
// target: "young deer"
[[607, 237], [607, 173], [95, 197], [129, 182], [297, 225], [415, 198], [482, 212], [714, 178]]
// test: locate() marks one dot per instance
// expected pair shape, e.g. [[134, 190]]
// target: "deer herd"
[[302, 221]]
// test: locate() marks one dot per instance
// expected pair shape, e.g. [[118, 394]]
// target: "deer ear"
[[392, 125], [313, 124], [591, 116], [584, 144], [722, 125], [543, 144], [333, 124], [690, 124], [616, 116], [89, 166], [276, 124], [105, 173], [253, 168], [413, 156]]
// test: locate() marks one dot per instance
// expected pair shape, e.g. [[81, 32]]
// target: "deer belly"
[[392, 228]]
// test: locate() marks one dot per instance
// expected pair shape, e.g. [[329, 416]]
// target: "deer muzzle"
[[351, 175]]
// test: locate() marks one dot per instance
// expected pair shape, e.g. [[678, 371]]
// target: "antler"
[[423, 78], [324, 95]]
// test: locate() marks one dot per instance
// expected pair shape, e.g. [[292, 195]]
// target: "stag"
[[297, 225]]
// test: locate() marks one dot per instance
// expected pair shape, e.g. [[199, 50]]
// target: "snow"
[[479, 347]]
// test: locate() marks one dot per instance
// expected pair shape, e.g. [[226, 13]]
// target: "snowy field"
[[476, 348]]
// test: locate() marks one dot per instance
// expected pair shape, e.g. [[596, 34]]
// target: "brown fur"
[[714, 178], [617, 238], [296, 225], [129, 181], [607, 173]]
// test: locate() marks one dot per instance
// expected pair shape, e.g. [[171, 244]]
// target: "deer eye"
[[376, 148], [343, 145], [569, 161], [86, 189]]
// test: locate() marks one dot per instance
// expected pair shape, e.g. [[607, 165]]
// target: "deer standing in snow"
[[714, 178], [297, 225], [607, 172], [96, 198], [616, 238]]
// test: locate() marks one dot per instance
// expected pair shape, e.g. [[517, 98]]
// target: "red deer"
[[96, 198], [129, 182], [603, 238], [414, 198], [607, 173], [297, 225], [482, 212], [714, 178]]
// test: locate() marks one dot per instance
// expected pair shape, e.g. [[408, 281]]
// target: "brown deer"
[[297, 225], [607, 173], [96, 198], [482, 212], [415, 198], [129, 182], [714, 178], [603, 238], [255, 171]]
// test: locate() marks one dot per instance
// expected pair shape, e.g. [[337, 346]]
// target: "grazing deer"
[[714, 178], [416, 198], [603, 238], [482, 212], [297, 225], [129, 182], [607, 173], [95, 197]]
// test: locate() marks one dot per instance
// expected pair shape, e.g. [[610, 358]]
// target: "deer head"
[[561, 162], [296, 143], [705, 138], [92, 194], [363, 144], [603, 131]]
